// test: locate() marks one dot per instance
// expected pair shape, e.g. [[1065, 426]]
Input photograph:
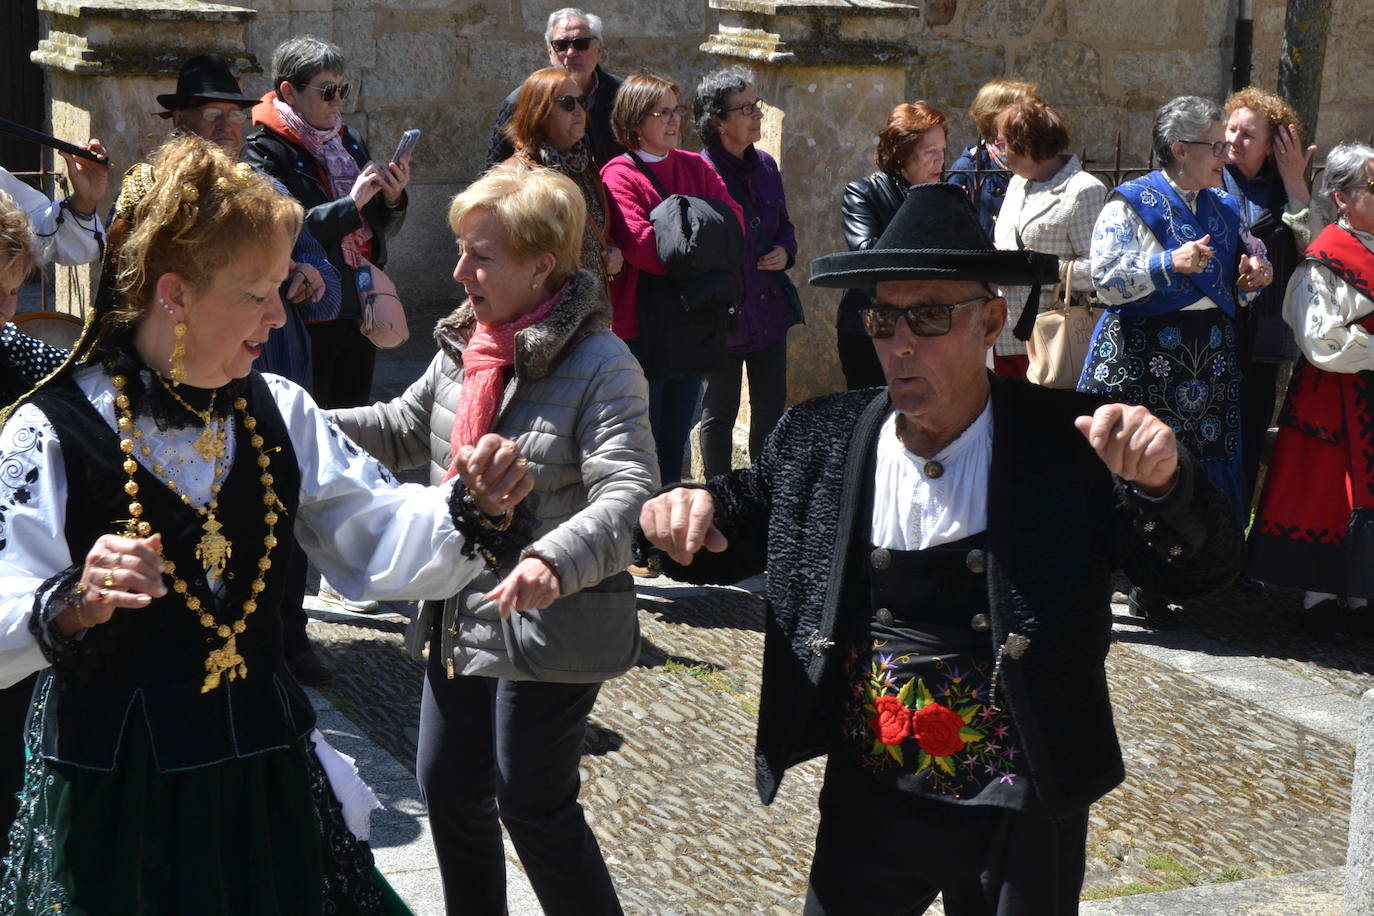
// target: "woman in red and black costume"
[[1315, 528]]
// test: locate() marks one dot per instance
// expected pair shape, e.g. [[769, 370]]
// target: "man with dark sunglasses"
[[574, 43], [939, 554]]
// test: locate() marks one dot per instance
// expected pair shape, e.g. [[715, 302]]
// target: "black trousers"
[[494, 752], [879, 850], [859, 361], [14, 710], [720, 405], [343, 363]]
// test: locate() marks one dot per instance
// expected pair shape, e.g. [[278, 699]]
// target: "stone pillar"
[[106, 61], [830, 71], [1359, 863]]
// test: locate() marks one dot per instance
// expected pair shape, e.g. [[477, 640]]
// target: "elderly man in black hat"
[[939, 555], [209, 103]]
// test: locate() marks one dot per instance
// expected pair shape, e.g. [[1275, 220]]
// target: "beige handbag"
[[1058, 345]]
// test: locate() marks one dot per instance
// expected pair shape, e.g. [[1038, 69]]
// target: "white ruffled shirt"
[[1323, 310], [912, 511], [73, 241], [371, 536]]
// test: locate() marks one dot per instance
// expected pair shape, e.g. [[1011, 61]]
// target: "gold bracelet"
[[81, 621], [502, 522]]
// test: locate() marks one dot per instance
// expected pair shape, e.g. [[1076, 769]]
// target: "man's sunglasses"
[[561, 45], [329, 90], [570, 102], [931, 320], [210, 114]]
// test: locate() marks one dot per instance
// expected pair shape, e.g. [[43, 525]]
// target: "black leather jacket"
[[869, 205], [329, 218]]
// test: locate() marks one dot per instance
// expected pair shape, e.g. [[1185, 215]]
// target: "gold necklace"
[[210, 445], [225, 659]]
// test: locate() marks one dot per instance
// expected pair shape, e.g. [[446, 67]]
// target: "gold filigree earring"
[[176, 365]]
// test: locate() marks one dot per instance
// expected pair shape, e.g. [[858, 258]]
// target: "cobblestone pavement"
[[1218, 789]]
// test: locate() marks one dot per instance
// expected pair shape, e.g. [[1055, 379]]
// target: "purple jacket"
[[756, 185]]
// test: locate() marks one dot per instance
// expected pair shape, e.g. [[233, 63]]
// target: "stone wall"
[[444, 66]]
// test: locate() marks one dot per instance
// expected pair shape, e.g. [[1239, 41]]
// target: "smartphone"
[[407, 144], [365, 279]]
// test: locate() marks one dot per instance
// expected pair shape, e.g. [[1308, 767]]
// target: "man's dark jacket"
[[1058, 524], [329, 219], [599, 135]]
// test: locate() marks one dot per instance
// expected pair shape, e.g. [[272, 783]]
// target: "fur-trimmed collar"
[[582, 310]]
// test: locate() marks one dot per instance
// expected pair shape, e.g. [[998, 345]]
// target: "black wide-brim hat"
[[935, 235], [204, 78]]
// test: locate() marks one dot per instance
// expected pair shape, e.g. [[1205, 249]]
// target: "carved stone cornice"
[[815, 33], [140, 37]]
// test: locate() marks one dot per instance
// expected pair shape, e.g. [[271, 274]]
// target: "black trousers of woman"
[[767, 397], [493, 752]]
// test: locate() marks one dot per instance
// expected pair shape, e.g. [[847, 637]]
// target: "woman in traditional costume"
[[1315, 527], [23, 362], [515, 663], [173, 765], [1170, 263]]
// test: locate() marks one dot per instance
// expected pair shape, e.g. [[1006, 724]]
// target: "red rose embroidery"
[[936, 729], [892, 724]]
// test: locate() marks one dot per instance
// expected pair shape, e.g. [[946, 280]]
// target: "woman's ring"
[[100, 596], [108, 581], [523, 463]]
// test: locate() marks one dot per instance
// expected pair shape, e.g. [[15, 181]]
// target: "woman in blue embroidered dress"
[[1170, 262]]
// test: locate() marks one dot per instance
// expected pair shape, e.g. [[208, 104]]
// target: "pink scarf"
[[489, 351], [328, 148]]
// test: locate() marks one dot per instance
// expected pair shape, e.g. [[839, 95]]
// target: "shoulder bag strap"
[[653, 179]]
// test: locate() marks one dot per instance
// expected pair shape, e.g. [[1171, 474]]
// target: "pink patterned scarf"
[[489, 351], [327, 146]]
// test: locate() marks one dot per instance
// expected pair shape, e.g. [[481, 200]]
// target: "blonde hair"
[[203, 212], [541, 210], [992, 98], [17, 241]]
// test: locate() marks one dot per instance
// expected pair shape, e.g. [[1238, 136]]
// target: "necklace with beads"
[[210, 444], [214, 549]]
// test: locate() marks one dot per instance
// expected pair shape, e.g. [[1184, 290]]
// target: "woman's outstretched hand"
[[119, 572]]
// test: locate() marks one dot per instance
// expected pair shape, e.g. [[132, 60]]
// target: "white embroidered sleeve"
[[1123, 252], [33, 545], [1322, 310], [371, 536]]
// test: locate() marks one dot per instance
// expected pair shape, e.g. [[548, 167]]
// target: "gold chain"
[[213, 545], [210, 446]]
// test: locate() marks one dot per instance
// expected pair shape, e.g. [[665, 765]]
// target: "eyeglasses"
[[569, 102], [210, 114], [747, 109], [329, 90], [670, 114], [561, 45], [932, 320], [1219, 147]]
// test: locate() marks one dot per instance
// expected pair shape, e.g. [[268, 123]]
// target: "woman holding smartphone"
[[352, 203]]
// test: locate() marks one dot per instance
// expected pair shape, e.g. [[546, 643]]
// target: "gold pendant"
[[208, 444], [214, 549]]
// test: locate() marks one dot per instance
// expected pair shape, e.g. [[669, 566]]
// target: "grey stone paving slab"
[[1313, 893]]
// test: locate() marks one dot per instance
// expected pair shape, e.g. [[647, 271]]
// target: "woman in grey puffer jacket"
[[506, 696]]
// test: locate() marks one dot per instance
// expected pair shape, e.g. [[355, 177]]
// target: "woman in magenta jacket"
[[647, 121]]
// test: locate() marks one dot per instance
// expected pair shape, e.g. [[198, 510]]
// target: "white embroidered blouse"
[[371, 536], [1323, 311]]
